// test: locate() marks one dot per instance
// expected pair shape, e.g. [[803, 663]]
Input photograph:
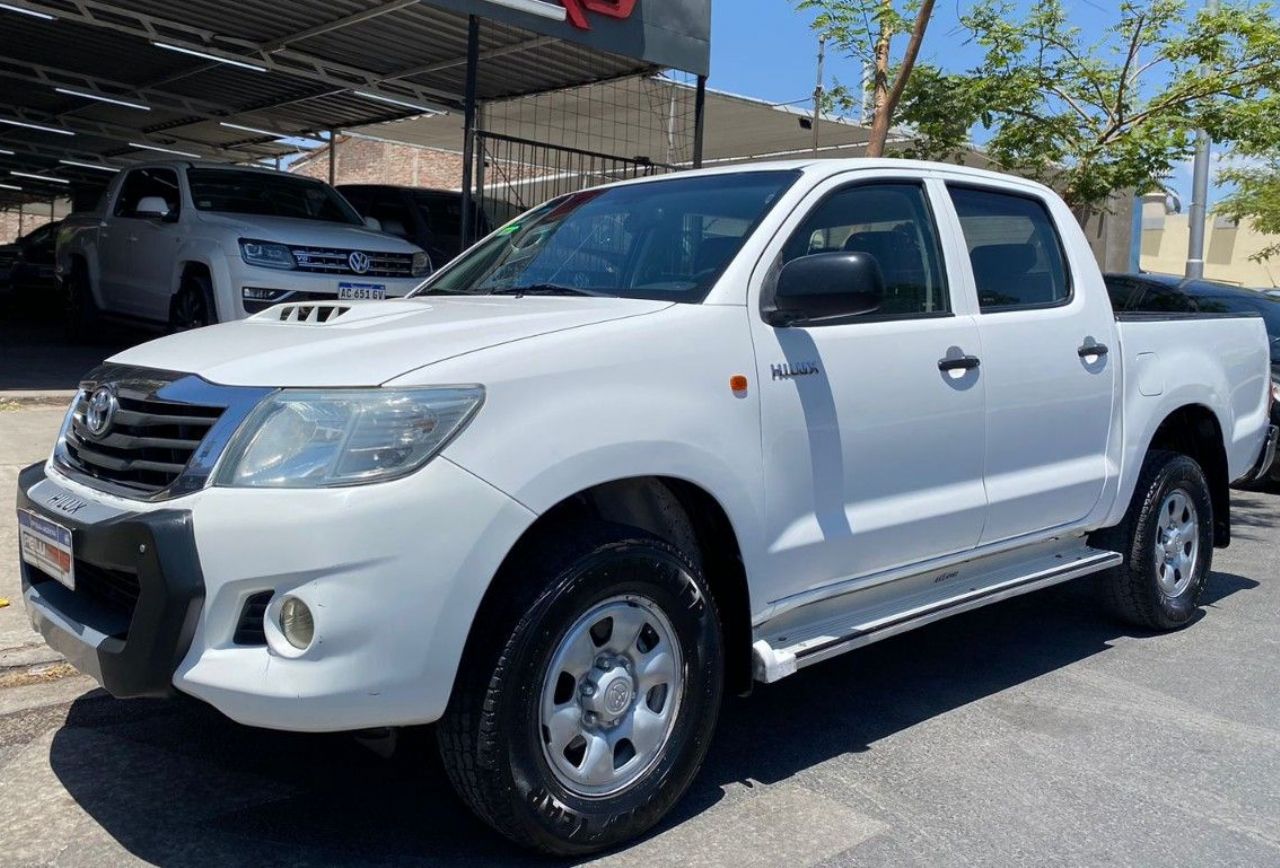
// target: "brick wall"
[[34, 216], [369, 161]]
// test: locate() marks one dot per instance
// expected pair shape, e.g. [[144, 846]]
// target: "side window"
[[145, 183], [1014, 249], [892, 223], [392, 212], [1166, 299]]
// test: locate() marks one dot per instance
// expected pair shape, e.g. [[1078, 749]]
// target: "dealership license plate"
[[46, 546], [362, 291]]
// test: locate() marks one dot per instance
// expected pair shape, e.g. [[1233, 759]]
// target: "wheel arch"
[[678, 511], [1195, 431]]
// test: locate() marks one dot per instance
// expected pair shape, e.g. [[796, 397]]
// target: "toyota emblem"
[[101, 410], [359, 261]]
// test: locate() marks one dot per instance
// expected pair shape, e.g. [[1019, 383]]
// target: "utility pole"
[[1198, 212], [819, 90]]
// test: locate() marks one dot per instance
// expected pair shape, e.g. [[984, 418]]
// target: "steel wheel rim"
[[1177, 543], [610, 696]]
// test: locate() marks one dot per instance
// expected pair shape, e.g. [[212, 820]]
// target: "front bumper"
[[393, 574], [138, 598]]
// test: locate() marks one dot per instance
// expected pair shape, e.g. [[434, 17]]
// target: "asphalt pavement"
[[1036, 731]]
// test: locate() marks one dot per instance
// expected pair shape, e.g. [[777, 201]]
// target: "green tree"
[[864, 30], [1256, 198], [1093, 116]]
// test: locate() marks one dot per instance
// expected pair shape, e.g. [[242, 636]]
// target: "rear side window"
[[1014, 248]]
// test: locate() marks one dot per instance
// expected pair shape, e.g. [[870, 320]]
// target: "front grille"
[[250, 629], [325, 260], [147, 445]]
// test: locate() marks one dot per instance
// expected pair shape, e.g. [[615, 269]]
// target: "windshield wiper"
[[547, 289]]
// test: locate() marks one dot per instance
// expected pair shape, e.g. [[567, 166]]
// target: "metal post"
[[53, 203], [817, 91], [699, 120], [469, 128], [1198, 212], [333, 157]]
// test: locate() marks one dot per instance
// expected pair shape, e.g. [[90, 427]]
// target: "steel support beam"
[[699, 120], [469, 129]]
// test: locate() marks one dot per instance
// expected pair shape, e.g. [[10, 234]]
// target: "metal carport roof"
[[100, 83]]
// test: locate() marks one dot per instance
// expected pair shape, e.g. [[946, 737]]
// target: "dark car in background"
[[431, 219], [33, 259], [1167, 293]]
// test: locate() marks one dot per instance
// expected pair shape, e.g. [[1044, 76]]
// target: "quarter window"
[[1014, 249], [891, 223]]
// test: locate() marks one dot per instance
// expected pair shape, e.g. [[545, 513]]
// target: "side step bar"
[[836, 637]]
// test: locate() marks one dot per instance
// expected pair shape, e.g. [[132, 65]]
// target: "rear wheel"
[[584, 712], [1167, 540], [193, 307]]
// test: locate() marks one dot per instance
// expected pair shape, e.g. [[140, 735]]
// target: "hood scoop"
[[318, 313]]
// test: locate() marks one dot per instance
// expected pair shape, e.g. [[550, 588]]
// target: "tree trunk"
[[886, 98]]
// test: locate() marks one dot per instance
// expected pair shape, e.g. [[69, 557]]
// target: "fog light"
[[296, 623]]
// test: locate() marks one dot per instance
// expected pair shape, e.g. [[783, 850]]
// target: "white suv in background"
[[188, 244]]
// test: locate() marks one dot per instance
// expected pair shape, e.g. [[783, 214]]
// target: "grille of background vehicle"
[[327, 261], [147, 446]]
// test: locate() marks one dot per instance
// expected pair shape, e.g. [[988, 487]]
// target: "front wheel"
[[193, 306], [586, 715], [1167, 540]]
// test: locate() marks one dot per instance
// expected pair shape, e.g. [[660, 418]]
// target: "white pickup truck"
[[645, 444], [187, 244]]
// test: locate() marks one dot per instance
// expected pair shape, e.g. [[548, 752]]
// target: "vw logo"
[[101, 410], [359, 261]]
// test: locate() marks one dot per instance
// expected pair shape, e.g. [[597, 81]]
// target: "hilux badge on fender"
[[101, 410], [359, 261], [798, 369]]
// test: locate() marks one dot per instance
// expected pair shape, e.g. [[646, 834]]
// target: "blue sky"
[[765, 49]]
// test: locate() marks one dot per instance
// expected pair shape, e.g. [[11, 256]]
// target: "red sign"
[[578, 10]]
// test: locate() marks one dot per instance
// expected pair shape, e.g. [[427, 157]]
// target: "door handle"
[[1092, 350], [133, 238], [959, 363]]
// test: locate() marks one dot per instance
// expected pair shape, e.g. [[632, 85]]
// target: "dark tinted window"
[[146, 183], [1165, 299], [1014, 249], [230, 191], [669, 239], [892, 224], [1123, 291]]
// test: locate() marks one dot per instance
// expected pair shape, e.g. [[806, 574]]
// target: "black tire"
[[491, 737], [82, 322], [1133, 591], [192, 306]]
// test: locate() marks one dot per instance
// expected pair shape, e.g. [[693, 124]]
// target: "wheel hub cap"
[[1177, 545], [610, 696]]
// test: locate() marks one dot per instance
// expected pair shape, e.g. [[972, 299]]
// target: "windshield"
[[667, 240], [234, 192]]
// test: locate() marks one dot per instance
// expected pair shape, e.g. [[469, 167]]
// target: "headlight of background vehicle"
[[421, 264], [266, 254], [312, 438]]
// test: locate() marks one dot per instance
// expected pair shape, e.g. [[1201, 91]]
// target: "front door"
[[1049, 400], [873, 429]]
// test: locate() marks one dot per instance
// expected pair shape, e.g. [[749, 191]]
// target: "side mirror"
[[152, 207], [825, 286], [373, 223]]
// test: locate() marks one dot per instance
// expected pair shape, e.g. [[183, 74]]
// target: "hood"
[[368, 342], [307, 233]]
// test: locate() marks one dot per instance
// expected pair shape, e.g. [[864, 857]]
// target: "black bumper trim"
[[159, 546]]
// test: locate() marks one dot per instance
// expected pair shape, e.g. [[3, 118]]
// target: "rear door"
[[1049, 400], [873, 454]]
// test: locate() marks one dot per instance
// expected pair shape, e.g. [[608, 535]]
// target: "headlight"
[[266, 254], [421, 265], [313, 438]]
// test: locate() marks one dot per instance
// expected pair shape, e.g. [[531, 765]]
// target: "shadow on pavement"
[[34, 352], [177, 782]]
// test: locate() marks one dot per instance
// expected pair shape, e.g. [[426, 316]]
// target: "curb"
[[27, 656]]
